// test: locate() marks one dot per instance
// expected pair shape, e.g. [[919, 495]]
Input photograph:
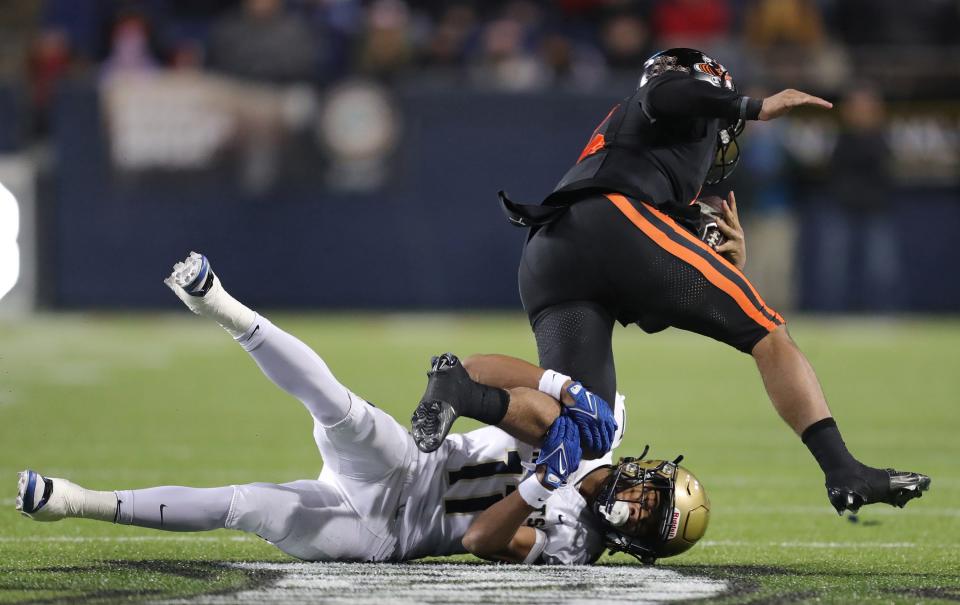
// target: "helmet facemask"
[[728, 149], [636, 505], [727, 154]]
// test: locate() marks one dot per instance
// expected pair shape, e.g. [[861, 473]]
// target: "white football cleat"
[[195, 283], [43, 499], [193, 274]]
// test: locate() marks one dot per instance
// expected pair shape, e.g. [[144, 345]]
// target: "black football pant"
[[611, 259]]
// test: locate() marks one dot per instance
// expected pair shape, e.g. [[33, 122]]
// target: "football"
[[711, 208]]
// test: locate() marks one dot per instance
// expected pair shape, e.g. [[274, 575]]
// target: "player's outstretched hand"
[[785, 100], [594, 419], [735, 248], [560, 454]]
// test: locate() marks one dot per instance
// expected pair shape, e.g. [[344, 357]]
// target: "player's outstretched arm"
[[781, 103]]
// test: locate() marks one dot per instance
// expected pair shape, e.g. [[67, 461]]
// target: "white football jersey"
[[470, 472]]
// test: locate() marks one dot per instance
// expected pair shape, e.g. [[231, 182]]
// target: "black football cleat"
[[896, 489], [447, 383]]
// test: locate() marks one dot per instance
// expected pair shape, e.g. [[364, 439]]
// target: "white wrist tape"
[[533, 492], [552, 383]]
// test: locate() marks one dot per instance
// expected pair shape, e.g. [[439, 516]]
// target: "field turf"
[[129, 401]]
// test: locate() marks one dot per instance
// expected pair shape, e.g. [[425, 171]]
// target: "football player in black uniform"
[[617, 241]]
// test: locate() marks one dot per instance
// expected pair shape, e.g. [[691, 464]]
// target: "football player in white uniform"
[[379, 498]]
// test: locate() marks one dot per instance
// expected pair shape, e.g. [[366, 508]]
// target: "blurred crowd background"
[[331, 151]]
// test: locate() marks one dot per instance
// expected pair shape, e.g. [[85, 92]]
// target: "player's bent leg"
[[297, 369], [288, 362], [790, 380], [351, 439], [796, 394], [366, 445], [451, 393], [355, 439]]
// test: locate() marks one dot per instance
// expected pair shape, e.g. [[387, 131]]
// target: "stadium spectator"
[[859, 256], [691, 23], [261, 42], [386, 49], [791, 38], [445, 47], [626, 42], [130, 47], [504, 62], [49, 60]]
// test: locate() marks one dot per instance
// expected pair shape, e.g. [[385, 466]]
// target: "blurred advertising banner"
[[185, 122]]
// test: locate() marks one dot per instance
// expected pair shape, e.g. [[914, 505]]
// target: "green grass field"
[[117, 402]]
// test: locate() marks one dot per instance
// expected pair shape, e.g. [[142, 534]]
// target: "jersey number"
[[511, 467]]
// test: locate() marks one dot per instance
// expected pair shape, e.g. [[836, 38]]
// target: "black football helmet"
[[701, 67], [677, 506]]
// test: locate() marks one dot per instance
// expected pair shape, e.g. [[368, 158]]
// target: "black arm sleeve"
[[683, 96]]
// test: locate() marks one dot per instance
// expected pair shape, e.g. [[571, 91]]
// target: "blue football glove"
[[560, 452], [594, 418]]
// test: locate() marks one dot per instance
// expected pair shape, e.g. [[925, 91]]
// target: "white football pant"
[[345, 514]]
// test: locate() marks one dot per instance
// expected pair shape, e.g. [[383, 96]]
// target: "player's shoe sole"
[[902, 487], [434, 417], [33, 496], [194, 274]]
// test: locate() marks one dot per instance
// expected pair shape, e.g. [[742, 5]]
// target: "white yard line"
[[189, 538], [379, 583], [800, 544], [125, 539], [915, 509]]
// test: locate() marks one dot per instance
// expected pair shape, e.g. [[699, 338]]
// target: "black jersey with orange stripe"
[[657, 145]]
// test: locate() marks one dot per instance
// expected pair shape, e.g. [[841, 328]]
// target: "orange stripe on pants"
[[691, 258], [689, 236]]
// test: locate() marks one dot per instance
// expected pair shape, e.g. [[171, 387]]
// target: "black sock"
[[823, 440], [486, 404], [839, 466]]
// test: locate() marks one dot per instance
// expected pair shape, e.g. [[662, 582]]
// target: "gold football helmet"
[[652, 508]]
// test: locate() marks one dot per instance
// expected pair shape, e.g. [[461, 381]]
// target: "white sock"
[[86, 503], [235, 317], [217, 304]]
